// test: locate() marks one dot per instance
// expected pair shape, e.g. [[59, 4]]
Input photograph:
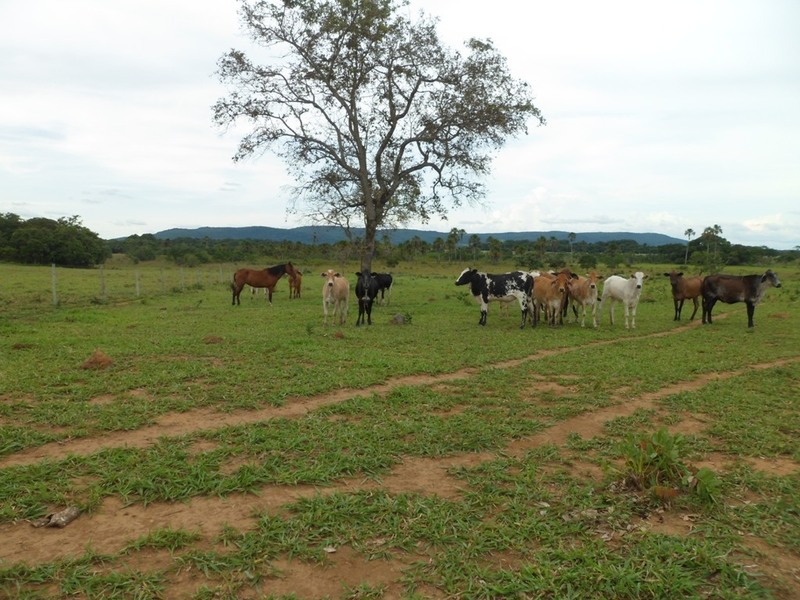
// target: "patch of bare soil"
[[114, 525]]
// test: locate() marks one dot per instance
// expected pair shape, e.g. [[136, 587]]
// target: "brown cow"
[[549, 295], [583, 292], [335, 294], [736, 288], [684, 288]]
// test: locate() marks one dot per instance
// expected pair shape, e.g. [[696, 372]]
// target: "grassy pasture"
[[251, 452]]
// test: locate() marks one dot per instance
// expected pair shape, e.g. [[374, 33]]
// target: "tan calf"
[[335, 295], [583, 292]]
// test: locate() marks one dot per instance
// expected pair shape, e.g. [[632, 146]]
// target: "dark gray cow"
[[736, 288], [385, 282]]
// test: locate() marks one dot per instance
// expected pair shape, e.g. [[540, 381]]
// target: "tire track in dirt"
[[114, 525], [194, 421]]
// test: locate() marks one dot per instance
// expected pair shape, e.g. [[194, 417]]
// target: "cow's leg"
[[523, 306], [633, 316], [369, 311], [611, 310], [695, 308], [627, 314], [708, 304], [678, 309], [751, 309], [594, 315]]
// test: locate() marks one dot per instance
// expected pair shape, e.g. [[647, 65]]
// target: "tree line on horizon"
[[66, 242]]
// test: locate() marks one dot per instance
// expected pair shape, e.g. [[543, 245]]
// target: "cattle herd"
[[551, 294], [541, 296]]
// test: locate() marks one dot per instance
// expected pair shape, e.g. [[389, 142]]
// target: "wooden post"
[[103, 282], [53, 280]]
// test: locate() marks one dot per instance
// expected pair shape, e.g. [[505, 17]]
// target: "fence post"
[[103, 282], [53, 281]]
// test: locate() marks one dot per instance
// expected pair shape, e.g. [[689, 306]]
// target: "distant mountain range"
[[319, 234]]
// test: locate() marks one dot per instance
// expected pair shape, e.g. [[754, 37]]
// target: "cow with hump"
[[583, 294], [549, 296], [335, 295], [505, 287], [627, 291], [736, 288]]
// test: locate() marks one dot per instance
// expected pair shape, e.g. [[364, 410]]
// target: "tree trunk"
[[370, 233]]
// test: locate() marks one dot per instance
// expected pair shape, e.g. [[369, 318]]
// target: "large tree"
[[378, 121]]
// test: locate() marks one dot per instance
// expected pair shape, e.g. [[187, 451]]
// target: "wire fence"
[[22, 285]]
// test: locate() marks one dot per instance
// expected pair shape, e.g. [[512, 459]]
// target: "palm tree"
[[689, 233], [571, 239]]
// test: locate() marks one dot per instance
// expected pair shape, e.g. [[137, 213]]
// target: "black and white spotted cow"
[[486, 287]]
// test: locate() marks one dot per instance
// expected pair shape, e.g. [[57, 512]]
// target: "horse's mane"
[[277, 269]]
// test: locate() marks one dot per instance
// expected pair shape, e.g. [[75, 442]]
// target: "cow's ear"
[[680, 274], [323, 274], [666, 274]]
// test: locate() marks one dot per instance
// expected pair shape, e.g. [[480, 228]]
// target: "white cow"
[[335, 294], [627, 291]]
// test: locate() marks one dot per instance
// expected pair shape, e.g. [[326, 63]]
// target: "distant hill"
[[318, 234]]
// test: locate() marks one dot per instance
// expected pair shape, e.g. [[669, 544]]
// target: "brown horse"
[[263, 278]]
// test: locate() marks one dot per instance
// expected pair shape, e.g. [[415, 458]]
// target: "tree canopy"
[[64, 242], [378, 121]]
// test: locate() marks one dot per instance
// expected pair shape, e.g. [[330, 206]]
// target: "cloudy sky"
[[661, 117]]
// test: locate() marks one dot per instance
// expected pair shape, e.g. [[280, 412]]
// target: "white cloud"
[[659, 118]]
